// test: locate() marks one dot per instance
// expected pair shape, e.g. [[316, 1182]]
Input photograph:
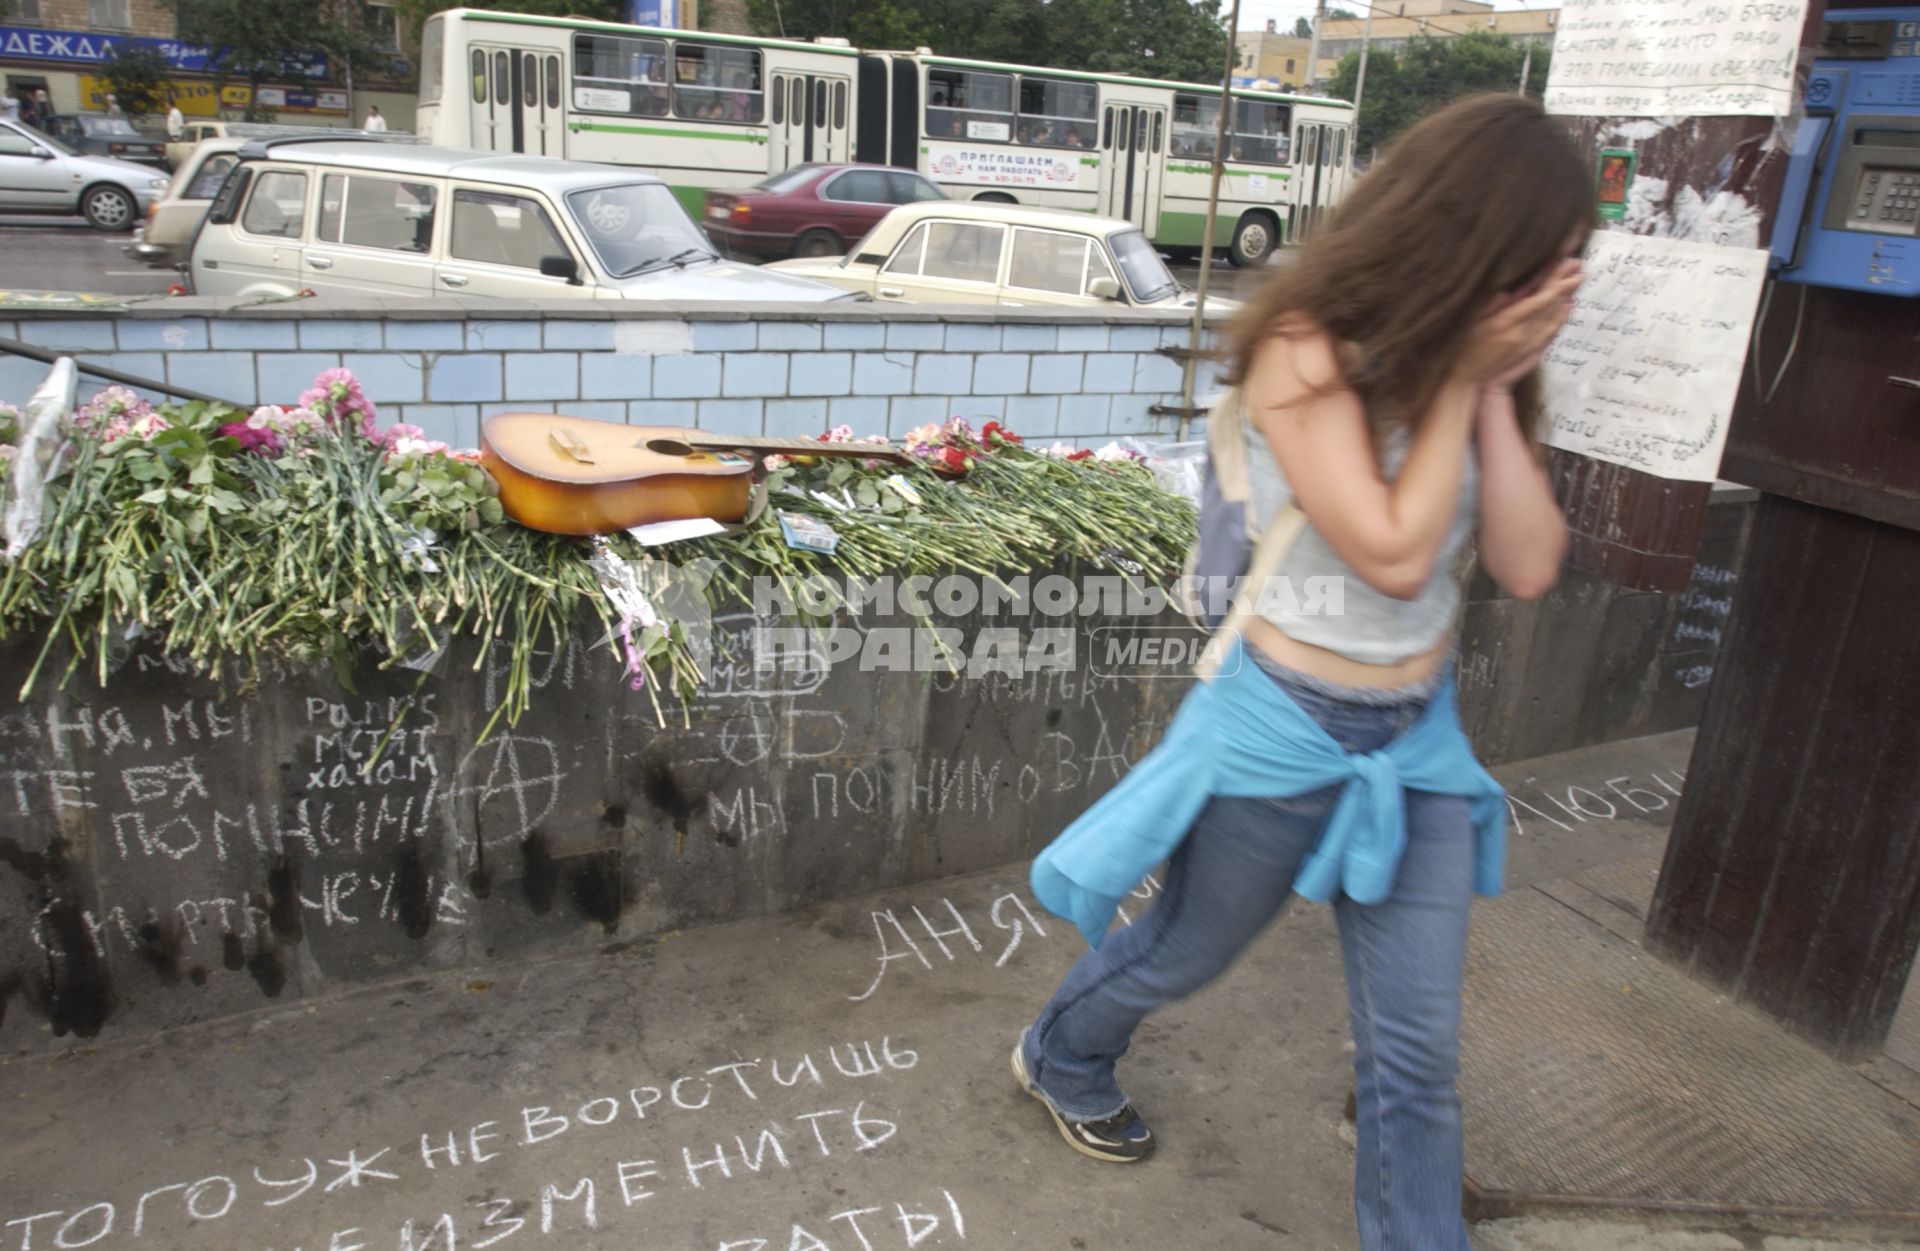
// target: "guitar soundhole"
[[669, 447]]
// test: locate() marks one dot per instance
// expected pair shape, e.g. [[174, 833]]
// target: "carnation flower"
[[919, 437], [993, 434], [261, 439], [115, 404], [957, 428], [147, 425], [774, 462], [336, 395], [400, 430], [1062, 451], [839, 434], [1113, 452], [950, 461]]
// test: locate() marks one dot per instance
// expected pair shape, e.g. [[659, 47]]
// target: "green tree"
[[1404, 86], [263, 40], [413, 13], [1342, 15], [1302, 28], [137, 76]]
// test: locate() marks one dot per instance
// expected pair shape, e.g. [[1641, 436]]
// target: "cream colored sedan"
[[975, 252]]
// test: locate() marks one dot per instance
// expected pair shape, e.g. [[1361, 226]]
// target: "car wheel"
[[1253, 240], [819, 243], [108, 208]]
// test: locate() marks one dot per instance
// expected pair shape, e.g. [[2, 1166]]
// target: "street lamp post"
[[1206, 229]]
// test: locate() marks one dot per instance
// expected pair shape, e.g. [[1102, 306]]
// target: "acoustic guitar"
[[576, 475]]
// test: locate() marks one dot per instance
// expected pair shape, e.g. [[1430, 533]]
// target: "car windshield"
[[1147, 275], [638, 226], [786, 181], [108, 126]]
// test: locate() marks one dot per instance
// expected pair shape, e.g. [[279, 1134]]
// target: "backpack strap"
[[1267, 555]]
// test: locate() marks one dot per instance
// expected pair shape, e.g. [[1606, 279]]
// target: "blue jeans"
[[1232, 876]]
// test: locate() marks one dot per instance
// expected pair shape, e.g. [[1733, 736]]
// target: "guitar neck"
[[798, 447]]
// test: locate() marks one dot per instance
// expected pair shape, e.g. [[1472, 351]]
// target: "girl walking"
[[1386, 387]]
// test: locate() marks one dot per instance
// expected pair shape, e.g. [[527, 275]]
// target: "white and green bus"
[[721, 112]]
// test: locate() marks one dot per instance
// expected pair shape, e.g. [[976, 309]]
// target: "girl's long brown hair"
[[1471, 203]]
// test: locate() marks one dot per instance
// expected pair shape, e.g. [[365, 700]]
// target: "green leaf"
[[866, 494]]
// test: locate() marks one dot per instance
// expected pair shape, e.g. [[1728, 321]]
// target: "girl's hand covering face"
[[1511, 337]]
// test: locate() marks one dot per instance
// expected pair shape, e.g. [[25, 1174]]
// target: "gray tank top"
[[1338, 610]]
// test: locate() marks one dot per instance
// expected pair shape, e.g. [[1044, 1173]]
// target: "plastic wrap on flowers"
[[37, 454]]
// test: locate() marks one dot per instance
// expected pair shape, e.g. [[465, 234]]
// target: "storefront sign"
[[78, 47], [196, 99], [663, 13], [301, 100], [1006, 169]]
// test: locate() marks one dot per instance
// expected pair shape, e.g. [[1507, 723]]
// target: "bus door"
[[808, 119], [1310, 177], [1133, 146], [516, 97]]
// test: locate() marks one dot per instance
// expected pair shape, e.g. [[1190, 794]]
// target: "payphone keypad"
[[1888, 202]]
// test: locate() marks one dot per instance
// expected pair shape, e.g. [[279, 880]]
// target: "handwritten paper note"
[[1675, 58], [1646, 371]]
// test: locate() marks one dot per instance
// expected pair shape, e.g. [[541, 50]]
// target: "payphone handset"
[[1850, 209]]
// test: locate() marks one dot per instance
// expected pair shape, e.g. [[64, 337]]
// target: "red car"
[[811, 210]]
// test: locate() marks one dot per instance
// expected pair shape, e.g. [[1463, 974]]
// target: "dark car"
[[811, 210], [107, 136]]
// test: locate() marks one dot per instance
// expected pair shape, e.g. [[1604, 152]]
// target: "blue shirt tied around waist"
[[1241, 735]]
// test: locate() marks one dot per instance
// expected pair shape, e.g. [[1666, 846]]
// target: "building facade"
[[62, 47], [1270, 61]]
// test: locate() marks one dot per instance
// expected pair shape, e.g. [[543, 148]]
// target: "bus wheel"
[[819, 242], [1253, 240], [995, 197]]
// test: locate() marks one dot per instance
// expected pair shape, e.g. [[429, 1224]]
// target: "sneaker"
[[1122, 1138]]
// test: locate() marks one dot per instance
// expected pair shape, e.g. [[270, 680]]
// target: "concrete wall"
[[444, 365]]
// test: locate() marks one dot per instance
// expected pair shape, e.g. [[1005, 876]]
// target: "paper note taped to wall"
[[1675, 58], [1647, 369]]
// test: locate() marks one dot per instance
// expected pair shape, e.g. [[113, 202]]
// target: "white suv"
[[353, 217], [41, 175]]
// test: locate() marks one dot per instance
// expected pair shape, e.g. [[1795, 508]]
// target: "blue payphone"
[[1850, 210]]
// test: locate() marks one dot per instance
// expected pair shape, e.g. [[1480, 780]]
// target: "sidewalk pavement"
[[835, 1079]]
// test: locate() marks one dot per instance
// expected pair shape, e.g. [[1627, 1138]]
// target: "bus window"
[[1339, 147], [1159, 129], [797, 106], [717, 84], [1260, 132], [1107, 141], [967, 104], [778, 96], [479, 76], [1196, 123], [502, 79], [819, 102], [839, 106], [432, 48], [1057, 114], [1124, 139], [613, 74], [530, 80], [553, 82]]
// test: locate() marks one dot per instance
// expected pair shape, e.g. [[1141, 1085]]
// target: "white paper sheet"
[[676, 531], [1646, 372], [1675, 58]]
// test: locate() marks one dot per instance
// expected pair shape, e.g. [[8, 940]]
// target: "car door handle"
[[454, 280], [893, 293], [320, 262]]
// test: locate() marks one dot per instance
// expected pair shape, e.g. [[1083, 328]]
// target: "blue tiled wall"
[[1076, 380]]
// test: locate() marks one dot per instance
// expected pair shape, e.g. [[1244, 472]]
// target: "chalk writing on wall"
[[1675, 58], [1646, 370]]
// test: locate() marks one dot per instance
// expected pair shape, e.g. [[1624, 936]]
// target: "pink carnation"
[[259, 439], [337, 396]]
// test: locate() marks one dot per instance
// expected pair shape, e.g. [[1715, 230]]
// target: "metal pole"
[[1206, 229], [1313, 48], [1360, 78], [1526, 68]]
